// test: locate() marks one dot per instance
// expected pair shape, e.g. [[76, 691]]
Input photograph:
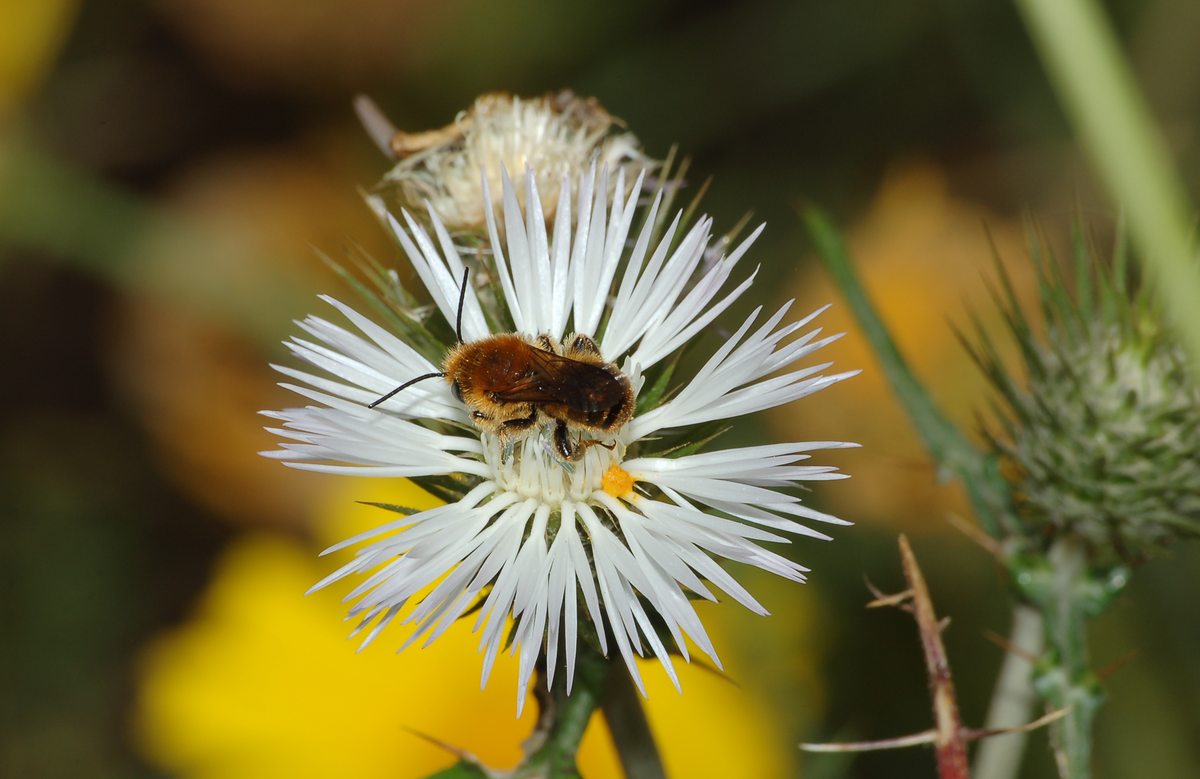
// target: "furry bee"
[[512, 386]]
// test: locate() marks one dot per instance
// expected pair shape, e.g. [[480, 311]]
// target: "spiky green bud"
[[1101, 440]]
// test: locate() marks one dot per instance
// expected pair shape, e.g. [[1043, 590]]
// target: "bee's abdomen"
[[606, 402]]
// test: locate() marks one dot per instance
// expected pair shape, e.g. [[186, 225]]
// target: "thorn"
[[882, 599], [1117, 665], [899, 600], [950, 747], [899, 742], [973, 532], [458, 752], [974, 734], [379, 128], [1003, 643]]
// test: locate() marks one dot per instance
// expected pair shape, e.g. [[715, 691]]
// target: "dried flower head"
[[556, 135]]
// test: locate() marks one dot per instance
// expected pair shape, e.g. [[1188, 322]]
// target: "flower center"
[[533, 470]]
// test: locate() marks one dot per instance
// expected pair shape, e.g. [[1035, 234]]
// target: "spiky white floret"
[[532, 531]]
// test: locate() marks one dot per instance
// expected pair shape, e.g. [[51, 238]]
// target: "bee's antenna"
[[405, 385], [462, 298]]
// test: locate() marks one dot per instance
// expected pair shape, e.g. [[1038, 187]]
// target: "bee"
[[513, 385]]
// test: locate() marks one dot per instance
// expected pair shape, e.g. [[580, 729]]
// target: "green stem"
[[564, 718], [1065, 681], [630, 730], [1099, 93], [999, 757]]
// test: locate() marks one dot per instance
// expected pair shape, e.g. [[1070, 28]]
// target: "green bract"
[[1099, 441]]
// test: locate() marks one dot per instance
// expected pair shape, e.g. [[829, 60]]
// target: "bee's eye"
[[456, 389]]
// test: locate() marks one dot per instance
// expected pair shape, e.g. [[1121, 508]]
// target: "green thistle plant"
[[1098, 442], [1089, 464], [1096, 446]]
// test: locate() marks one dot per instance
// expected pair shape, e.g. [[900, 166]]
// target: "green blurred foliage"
[[107, 530]]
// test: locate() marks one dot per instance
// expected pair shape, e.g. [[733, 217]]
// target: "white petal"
[[442, 276]]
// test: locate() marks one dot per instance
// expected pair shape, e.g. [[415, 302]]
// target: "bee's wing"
[[542, 383], [552, 379], [526, 391]]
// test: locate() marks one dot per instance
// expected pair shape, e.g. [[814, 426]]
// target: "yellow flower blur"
[[261, 682], [918, 247], [30, 38]]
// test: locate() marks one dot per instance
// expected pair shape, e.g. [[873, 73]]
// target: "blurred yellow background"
[[167, 169]]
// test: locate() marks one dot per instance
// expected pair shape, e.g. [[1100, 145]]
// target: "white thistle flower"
[[554, 135], [630, 529]]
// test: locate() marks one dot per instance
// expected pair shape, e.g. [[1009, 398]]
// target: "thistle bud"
[[1099, 443]]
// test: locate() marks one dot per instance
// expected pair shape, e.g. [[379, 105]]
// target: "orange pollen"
[[617, 481]]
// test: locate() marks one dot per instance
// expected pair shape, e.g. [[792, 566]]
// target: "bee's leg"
[[573, 450], [564, 447], [511, 429], [488, 424], [585, 445], [550, 446], [584, 344], [520, 424], [546, 343]]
